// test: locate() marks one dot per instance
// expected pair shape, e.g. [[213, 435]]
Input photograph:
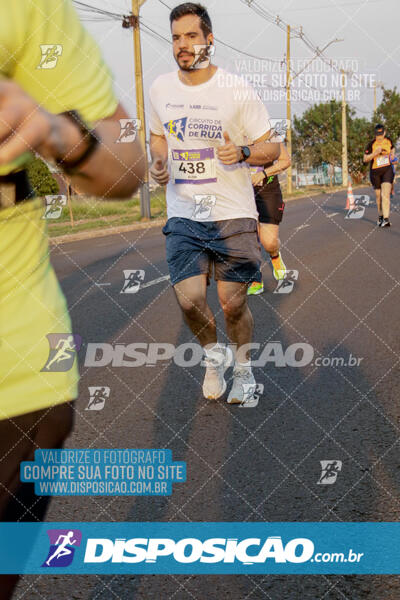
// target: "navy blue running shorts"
[[228, 249]]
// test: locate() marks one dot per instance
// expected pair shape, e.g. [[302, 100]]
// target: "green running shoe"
[[255, 288], [278, 267]]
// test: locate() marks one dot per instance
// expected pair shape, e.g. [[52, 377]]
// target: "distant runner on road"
[[380, 153], [270, 207]]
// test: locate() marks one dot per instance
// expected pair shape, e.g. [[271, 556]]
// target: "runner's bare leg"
[[238, 318], [269, 238], [378, 201], [191, 294], [385, 199]]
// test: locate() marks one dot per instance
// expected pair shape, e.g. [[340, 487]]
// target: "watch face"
[[246, 151]]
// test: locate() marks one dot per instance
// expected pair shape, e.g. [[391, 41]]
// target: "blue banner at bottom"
[[200, 548]]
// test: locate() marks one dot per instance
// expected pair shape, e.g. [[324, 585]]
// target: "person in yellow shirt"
[[56, 100]]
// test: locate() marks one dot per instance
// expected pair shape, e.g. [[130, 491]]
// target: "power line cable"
[[270, 60]]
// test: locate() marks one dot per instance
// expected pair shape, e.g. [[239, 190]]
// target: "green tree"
[[359, 133], [388, 113], [41, 178], [317, 137]]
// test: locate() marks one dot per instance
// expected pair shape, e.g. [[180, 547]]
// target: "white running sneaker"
[[216, 363], [244, 385]]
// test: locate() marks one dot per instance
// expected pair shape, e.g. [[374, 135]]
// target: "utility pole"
[[345, 167], [375, 86], [288, 113], [144, 190]]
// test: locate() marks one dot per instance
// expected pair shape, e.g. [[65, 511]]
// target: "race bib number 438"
[[194, 166]]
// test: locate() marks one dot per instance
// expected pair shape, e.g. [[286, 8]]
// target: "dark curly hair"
[[190, 8]]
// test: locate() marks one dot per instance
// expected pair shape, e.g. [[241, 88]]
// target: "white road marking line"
[[145, 285], [333, 214], [301, 227], [159, 280]]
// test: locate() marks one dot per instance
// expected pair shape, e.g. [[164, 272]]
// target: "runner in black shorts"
[[380, 153], [270, 207]]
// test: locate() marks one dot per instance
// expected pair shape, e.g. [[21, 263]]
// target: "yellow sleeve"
[[45, 48]]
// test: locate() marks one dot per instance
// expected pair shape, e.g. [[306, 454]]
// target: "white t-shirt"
[[193, 120]]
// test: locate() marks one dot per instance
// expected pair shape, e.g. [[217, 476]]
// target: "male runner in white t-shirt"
[[201, 117]]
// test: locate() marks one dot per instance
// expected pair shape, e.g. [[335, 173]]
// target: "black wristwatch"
[[245, 153], [93, 139]]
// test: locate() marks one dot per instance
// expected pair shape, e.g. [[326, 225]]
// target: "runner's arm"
[[370, 156], [158, 147], [113, 170], [281, 164], [262, 151], [254, 122], [159, 155]]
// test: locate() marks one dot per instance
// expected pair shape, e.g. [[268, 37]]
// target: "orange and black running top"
[[383, 160]]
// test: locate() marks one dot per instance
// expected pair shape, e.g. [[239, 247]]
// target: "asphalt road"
[[254, 464]]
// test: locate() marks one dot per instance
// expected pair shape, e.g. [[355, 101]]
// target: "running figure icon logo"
[[362, 200], [98, 397], [63, 349], [63, 543], [133, 280], [129, 129], [203, 54], [279, 129], [286, 285], [50, 55], [54, 206], [251, 395], [329, 471], [357, 212], [203, 206]]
